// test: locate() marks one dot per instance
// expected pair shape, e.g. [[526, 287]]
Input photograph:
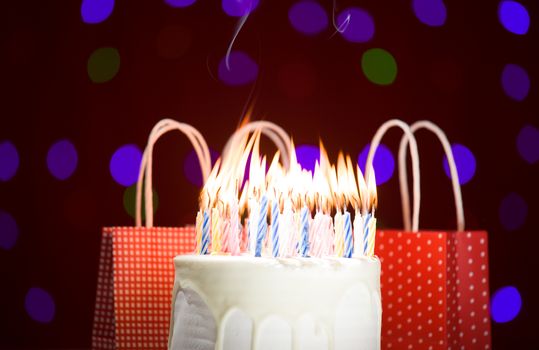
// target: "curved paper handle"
[[161, 128], [277, 134], [415, 169], [405, 196]]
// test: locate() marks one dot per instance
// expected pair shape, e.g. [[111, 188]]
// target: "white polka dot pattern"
[[434, 290], [134, 287]]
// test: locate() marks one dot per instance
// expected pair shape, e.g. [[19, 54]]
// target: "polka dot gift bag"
[[435, 292], [136, 273]]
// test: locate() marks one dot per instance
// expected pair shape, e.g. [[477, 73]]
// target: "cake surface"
[[242, 302]]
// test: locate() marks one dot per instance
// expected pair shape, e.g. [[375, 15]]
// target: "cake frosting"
[[243, 302]]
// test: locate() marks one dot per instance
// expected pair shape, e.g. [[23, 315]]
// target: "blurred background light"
[[465, 162], [379, 66], [39, 305], [241, 69], [62, 159], [103, 64], [430, 12], [125, 164], [308, 17], [9, 160], [513, 211], [505, 304], [96, 11], [356, 25], [9, 230], [528, 143], [514, 17], [383, 163]]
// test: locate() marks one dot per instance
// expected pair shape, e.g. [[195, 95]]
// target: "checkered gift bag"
[[136, 273]]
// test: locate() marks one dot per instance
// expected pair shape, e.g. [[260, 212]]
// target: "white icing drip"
[[303, 293]]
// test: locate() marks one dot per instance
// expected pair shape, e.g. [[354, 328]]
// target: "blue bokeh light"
[[513, 211], [62, 159], [238, 8], [9, 160], [356, 25], [39, 305], [180, 3], [505, 304], [430, 12], [465, 162], [528, 143], [514, 17], [308, 17], [8, 230], [515, 82], [125, 164], [96, 11], [307, 156], [383, 162], [242, 69]]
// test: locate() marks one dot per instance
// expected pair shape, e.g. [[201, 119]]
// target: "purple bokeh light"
[[8, 230], [39, 305], [513, 211], [528, 143], [96, 11], [308, 17], [383, 162], [465, 162], [505, 304], [191, 167], [9, 160], [180, 3], [307, 156], [514, 17], [242, 69], [430, 12], [515, 82], [356, 25], [238, 8], [62, 159], [125, 165]]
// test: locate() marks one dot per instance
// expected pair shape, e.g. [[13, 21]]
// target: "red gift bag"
[[434, 283], [136, 273]]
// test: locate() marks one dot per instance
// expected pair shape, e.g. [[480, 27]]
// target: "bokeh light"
[[356, 25], [39, 305], [515, 82], [383, 162], [430, 12], [191, 167], [173, 41], [297, 80], [62, 159], [505, 304], [8, 230], [180, 3], [465, 162], [307, 156], [96, 11], [130, 201], [308, 17], [513, 211], [9, 160], [528, 143], [514, 17], [125, 164], [241, 69], [379, 66], [238, 8], [103, 64]]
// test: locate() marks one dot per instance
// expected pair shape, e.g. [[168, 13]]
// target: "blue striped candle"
[[205, 233], [262, 225], [348, 238], [366, 233], [304, 227], [275, 228]]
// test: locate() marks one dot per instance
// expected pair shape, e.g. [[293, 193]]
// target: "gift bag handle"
[[161, 128], [415, 169], [405, 196], [277, 134]]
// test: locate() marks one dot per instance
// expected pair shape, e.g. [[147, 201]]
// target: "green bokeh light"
[[130, 195], [379, 66], [103, 64]]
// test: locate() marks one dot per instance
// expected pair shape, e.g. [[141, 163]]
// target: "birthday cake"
[[279, 262]]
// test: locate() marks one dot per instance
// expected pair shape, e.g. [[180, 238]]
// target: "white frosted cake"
[[242, 302]]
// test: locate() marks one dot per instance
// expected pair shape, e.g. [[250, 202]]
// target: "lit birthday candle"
[[253, 224], [373, 202], [304, 231], [275, 227], [234, 234], [198, 231], [262, 227], [348, 239], [339, 234], [286, 227], [205, 239], [216, 231]]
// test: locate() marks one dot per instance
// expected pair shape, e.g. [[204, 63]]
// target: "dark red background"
[[450, 75]]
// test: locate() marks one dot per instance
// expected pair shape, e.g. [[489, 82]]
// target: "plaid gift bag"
[[136, 273], [434, 283]]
